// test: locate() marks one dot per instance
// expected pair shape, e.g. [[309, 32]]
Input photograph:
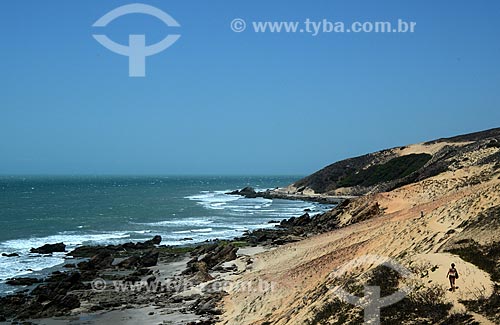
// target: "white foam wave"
[[179, 222], [202, 230], [27, 262], [68, 238]]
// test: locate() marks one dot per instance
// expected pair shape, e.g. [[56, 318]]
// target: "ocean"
[[111, 210]]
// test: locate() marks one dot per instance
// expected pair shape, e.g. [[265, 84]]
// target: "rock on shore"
[[49, 248]]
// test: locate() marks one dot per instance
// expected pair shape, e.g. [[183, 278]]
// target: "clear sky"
[[220, 102]]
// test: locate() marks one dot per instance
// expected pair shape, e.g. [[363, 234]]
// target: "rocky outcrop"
[[101, 260], [90, 251], [206, 257], [148, 259], [49, 248], [301, 221], [22, 281], [61, 292], [247, 192], [52, 298]]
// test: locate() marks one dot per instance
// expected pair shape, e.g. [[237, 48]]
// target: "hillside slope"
[[392, 168], [448, 210]]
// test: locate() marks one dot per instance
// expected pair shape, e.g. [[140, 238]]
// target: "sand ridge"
[[447, 201]]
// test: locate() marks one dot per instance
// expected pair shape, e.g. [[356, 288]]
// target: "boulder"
[[129, 263], [247, 192], [49, 248], [69, 302], [10, 255], [156, 240], [149, 259], [144, 245], [301, 221], [101, 260]]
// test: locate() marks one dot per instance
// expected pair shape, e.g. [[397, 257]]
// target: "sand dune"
[[449, 202]]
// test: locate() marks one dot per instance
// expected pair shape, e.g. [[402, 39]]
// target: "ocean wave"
[[68, 238], [178, 222], [27, 262], [193, 231]]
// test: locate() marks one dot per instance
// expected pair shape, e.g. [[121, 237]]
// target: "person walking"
[[452, 275]]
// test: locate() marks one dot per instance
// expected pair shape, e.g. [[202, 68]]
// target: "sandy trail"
[[472, 282]]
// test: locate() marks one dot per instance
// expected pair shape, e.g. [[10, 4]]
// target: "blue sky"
[[219, 102]]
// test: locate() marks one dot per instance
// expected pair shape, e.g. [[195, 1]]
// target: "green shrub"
[[394, 169]]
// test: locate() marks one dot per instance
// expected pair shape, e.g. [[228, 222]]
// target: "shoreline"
[[25, 264], [185, 266], [283, 194]]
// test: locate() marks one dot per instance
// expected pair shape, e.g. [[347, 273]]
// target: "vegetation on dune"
[[487, 258], [389, 171], [484, 257], [425, 305], [395, 168], [489, 307]]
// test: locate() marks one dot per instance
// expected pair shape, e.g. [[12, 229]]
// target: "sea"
[[92, 210]]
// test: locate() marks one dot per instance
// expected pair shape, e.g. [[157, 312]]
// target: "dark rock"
[[206, 258], [89, 251], [129, 263], [247, 192], [145, 245], [10, 255], [22, 281], [132, 279], [296, 222], [149, 259], [96, 308], [101, 260], [51, 298], [156, 240], [207, 305], [70, 302], [58, 285], [49, 248]]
